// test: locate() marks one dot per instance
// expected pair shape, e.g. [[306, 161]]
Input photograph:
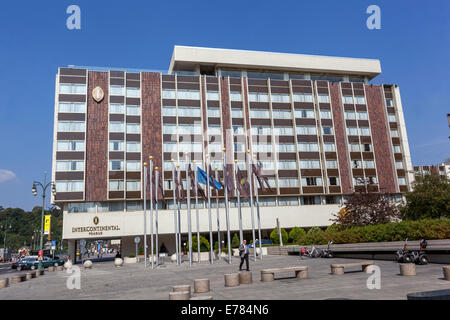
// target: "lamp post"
[[5, 227], [44, 187]]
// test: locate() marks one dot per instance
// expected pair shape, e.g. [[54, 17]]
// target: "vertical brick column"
[[97, 139]]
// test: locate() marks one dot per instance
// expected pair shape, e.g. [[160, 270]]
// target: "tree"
[[430, 198], [204, 244], [296, 235], [365, 208], [235, 241], [274, 236]]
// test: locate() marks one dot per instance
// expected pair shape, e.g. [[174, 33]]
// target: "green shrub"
[[235, 241], [204, 244], [274, 236], [297, 235], [315, 235], [132, 255], [141, 251]]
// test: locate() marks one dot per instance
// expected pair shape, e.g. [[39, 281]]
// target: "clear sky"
[[413, 46]]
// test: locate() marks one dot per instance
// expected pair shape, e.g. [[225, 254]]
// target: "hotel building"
[[317, 125]]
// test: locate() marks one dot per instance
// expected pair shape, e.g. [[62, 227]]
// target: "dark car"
[[33, 263], [23, 262]]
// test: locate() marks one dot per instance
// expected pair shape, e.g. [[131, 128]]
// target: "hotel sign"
[[95, 230], [98, 94]]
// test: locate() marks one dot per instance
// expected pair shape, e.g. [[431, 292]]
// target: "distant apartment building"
[[436, 170], [317, 125]]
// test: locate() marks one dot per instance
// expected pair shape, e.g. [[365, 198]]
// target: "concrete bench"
[[338, 268], [18, 278], [4, 282], [446, 270], [179, 295], [182, 288], [268, 275]]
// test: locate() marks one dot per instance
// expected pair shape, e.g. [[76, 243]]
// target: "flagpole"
[[226, 203], [249, 175], [241, 232], [156, 212], [211, 244], [145, 214], [218, 216], [196, 210], [180, 182], [151, 207], [188, 187], [257, 212], [175, 209]]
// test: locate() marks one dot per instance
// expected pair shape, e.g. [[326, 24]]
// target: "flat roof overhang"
[[186, 58]]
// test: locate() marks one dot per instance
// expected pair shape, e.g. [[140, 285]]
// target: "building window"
[[309, 164], [356, 164], [331, 164], [333, 181], [276, 97], [168, 94], [347, 99], [311, 181], [116, 206], [287, 165], [81, 207], [116, 126], [310, 200], [354, 147], [169, 129], [360, 100], [188, 94], [304, 113], [283, 131], [237, 129], [367, 147], [116, 185], [399, 164], [116, 146], [189, 112], [69, 165], [212, 95], [323, 98], [116, 90], [288, 201], [309, 130], [217, 147], [394, 133], [330, 147], [287, 183], [71, 126], [262, 147], [133, 185], [389, 103], [133, 146], [169, 147], [350, 115], [308, 146], [402, 181], [364, 131], [69, 186], [238, 147], [116, 108], [235, 96], [236, 113], [369, 164], [258, 97], [169, 111], [332, 200], [133, 165], [213, 112], [325, 114], [116, 165], [281, 114], [72, 88], [352, 131], [303, 97], [133, 110], [190, 147], [285, 147], [327, 130], [214, 129], [133, 92], [70, 146], [392, 118], [261, 130], [362, 115], [397, 148], [134, 205], [259, 113], [133, 128], [72, 107]]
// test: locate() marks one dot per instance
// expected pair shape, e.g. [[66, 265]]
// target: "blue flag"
[[201, 177]]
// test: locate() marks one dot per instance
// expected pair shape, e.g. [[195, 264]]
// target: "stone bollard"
[[28, 276], [39, 273], [51, 269], [87, 264], [446, 271], [232, 280], [33, 274], [201, 285], [407, 269], [245, 277], [182, 288], [4, 282], [179, 295], [118, 262], [17, 279], [59, 268], [202, 298]]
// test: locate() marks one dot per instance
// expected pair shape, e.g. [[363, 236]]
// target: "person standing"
[[243, 252]]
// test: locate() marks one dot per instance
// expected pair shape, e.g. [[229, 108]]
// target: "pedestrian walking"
[[243, 252]]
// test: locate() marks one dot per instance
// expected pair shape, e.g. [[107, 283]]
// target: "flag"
[[212, 177], [260, 177], [242, 184], [228, 180], [201, 177], [159, 188], [179, 189], [200, 190]]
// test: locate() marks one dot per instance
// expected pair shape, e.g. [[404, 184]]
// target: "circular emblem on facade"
[[98, 94], [96, 220]]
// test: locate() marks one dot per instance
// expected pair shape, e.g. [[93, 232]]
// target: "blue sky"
[[413, 46]]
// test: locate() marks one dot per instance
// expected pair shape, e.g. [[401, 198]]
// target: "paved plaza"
[[105, 281]]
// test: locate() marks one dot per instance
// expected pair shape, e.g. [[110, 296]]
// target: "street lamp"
[[5, 227], [44, 187]]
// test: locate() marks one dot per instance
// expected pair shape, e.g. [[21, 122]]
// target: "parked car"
[[23, 262], [33, 264]]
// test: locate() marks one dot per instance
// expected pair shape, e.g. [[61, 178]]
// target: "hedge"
[[204, 244], [275, 237], [394, 231]]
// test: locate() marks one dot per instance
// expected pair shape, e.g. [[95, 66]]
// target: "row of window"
[[120, 109], [130, 92], [118, 165], [355, 100], [119, 126]]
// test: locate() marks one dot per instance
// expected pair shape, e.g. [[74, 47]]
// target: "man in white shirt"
[[243, 252]]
